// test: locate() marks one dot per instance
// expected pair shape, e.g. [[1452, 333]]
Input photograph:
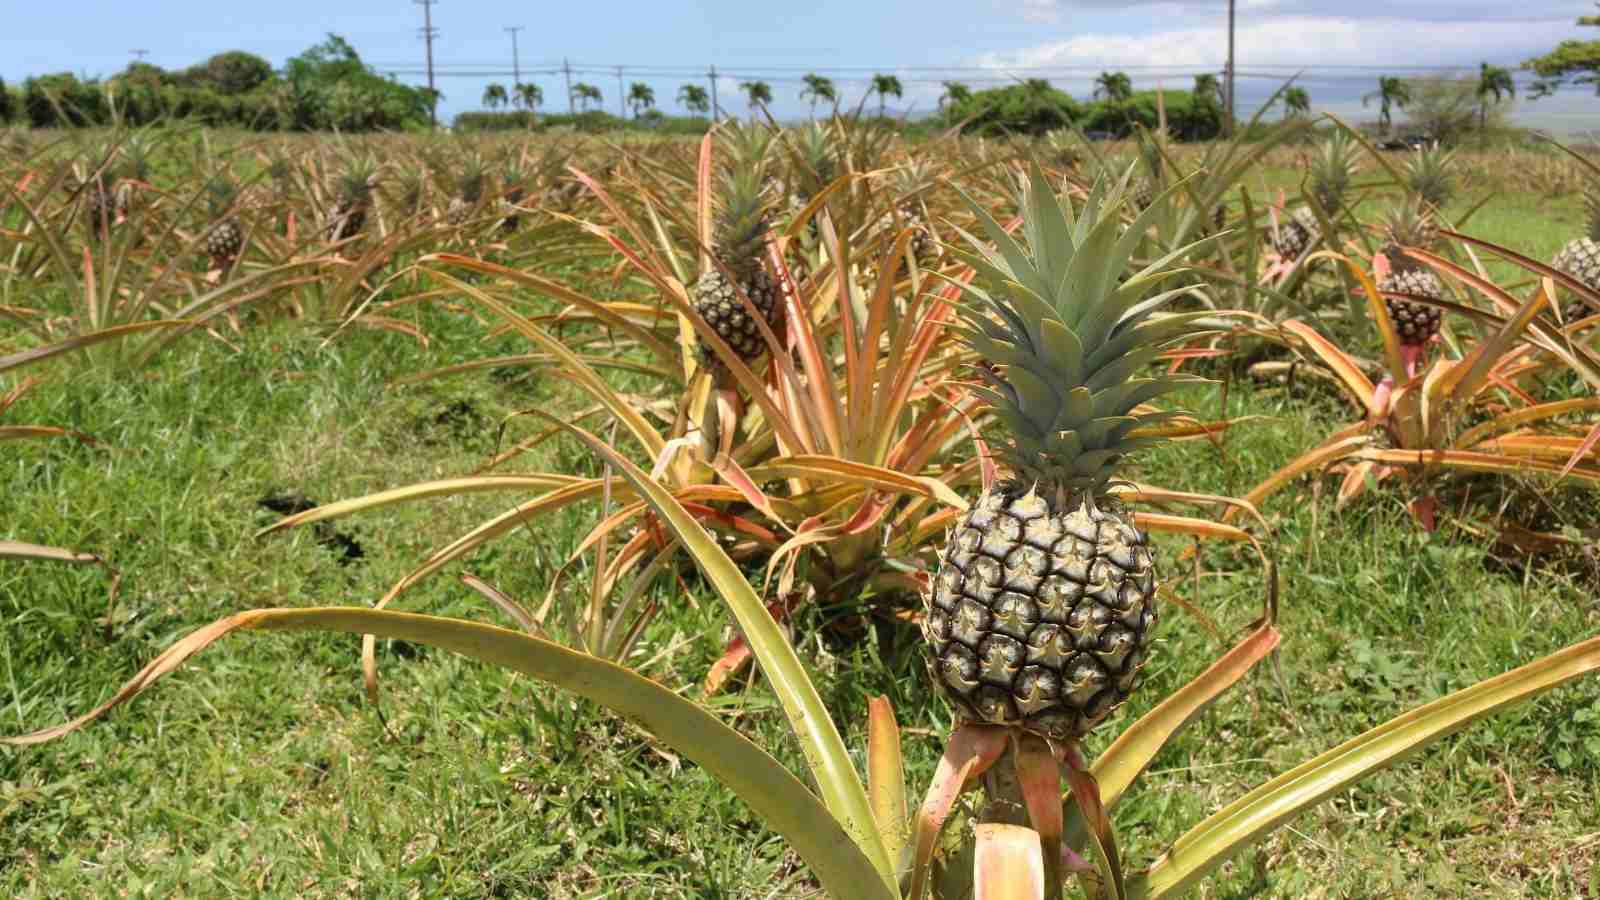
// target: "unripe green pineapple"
[[354, 200], [911, 179], [739, 230], [469, 191], [1152, 158], [513, 189], [1580, 258], [1043, 606], [1411, 225], [1330, 176], [225, 239]]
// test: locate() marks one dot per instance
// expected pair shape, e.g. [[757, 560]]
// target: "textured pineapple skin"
[[1295, 233], [1580, 258], [1416, 323], [1040, 618], [718, 303], [225, 239]]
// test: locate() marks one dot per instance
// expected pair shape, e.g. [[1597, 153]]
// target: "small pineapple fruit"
[[1153, 158], [1411, 225], [225, 239], [1330, 177], [1043, 607], [739, 231], [911, 178], [1580, 258], [513, 189], [354, 201], [469, 191]]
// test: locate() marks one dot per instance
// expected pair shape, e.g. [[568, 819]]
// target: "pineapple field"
[[803, 511]]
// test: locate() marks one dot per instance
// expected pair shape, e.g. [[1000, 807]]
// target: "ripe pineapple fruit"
[[469, 191], [1411, 225], [1043, 606], [1330, 177], [225, 239], [1580, 258], [739, 232], [354, 192]]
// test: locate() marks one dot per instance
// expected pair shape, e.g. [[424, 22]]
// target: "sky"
[[1338, 49]]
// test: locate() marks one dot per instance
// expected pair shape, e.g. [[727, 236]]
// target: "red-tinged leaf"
[[736, 476], [1349, 372], [1475, 462], [1583, 450], [1010, 863], [1102, 838], [1039, 776], [971, 750], [1317, 458], [886, 777]]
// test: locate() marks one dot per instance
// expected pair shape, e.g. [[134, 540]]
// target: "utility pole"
[[516, 58], [716, 112], [566, 68], [622, 98], [428, 34], [139, 55], [1228, 125]]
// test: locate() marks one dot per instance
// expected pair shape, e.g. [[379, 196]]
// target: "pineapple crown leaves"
[[1409, 224], [220, 194], [1333, 171], [741, 219], [1429, 175], [1072, 338], [356, 183]]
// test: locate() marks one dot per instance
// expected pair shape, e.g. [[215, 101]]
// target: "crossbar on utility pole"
[[1228, 125], [139, 55], [428, 34], [516, 58]]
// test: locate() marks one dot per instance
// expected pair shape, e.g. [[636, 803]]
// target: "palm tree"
[[883, 86], [585, 94], [955, 93], [494, 96], [1113, 87], [641, 97], [529, 96], [1391, 93], [759, 93], [1492, 81], [693, 97], [1207, 89], [1296, 102], [819, 88]]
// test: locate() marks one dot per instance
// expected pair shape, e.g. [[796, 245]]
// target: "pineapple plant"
[[1152, 155], [911, 178], [1411, 225], [354, 200], [1043, 607], [469, 191], [225, 239], [513, 188], [1580, 257], [1330, 177], [1430, 177], [739, 230]]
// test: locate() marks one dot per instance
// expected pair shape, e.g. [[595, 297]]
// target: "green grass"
[[259, 771]]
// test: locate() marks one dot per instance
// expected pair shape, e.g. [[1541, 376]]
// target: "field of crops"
[[730, 415]]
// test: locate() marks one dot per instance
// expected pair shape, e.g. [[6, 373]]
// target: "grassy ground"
[[259, 771]]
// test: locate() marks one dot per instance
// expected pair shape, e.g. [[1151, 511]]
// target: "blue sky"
[[1342, 47]]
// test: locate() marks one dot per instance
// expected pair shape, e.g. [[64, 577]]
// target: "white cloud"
[[1307, 41]]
